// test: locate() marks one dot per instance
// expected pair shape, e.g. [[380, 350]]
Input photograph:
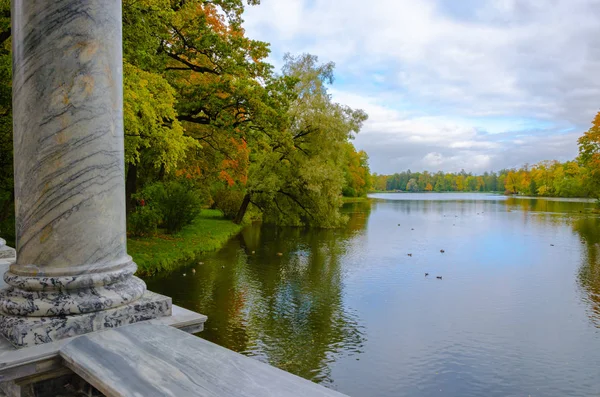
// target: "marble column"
[[72, 273]]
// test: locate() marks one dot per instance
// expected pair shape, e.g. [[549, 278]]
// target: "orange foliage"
[[236, 168]]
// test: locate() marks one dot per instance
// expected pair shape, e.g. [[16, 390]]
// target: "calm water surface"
[[517, 312]]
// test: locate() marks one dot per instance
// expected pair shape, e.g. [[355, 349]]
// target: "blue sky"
[[451, 84]]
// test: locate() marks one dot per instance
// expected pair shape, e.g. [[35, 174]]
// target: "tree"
[[209, 81], [379, 182], [153, 136], [356, 172], [412, 185], [532, 187], [546, 178], [297, 178], [589, 154], [512, 182]]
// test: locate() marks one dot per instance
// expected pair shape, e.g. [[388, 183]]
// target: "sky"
[[450, 84]]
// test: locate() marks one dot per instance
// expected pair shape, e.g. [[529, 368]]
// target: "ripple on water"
[[513, 315]]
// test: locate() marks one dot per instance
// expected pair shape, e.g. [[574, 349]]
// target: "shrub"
[[176, 202], [143, 221], [228, 202], [348, 191]]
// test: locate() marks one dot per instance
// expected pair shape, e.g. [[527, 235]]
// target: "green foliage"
[[589, 155], [546, 178], [176, 203], [153, 135], [143, 221], [208, 232], [203, 105], [297, 177], [228, 201], [357, 176], [412, 186]]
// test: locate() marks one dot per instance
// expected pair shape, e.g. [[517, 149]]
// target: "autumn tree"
[[191, 61], [589, 154], [546, 178], [357, 177], [379, 182]]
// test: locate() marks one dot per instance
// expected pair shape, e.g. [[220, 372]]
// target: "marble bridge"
[[72, 312]]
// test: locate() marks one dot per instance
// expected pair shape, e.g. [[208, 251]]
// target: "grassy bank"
[[355, 199], [209, 232]]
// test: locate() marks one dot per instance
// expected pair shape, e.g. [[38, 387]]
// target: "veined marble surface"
[[153, 360], [6, 252], [29, 331], [69, 174], [13, 360], [68, 134]]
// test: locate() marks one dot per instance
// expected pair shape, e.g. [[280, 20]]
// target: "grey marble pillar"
[[72, 272]]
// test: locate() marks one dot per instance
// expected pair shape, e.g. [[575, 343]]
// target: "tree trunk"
[[161, 173], [242, 211], [130, 187]]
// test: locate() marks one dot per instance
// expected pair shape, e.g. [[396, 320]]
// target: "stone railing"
[[6, 253]]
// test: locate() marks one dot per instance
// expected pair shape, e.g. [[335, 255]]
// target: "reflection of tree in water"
[[358, 214], [298, 320], [217, 288], [546, 205], [287, 310], [589, 273]]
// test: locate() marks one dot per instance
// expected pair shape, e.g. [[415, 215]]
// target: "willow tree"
[[298, 176]]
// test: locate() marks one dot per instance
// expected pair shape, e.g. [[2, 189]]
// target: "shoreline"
[[355, 199], [163, 253]]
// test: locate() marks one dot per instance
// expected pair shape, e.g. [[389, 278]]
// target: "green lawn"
[[209, 232], [354, 199]]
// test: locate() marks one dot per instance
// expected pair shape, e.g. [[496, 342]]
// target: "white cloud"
[[438, 77]]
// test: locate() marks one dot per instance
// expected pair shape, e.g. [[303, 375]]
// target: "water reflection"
[[549, 205], [308, 323], [350, 309], [588, 229], [285, 309]]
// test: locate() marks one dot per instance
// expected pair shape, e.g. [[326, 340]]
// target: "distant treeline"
[[547, 178]]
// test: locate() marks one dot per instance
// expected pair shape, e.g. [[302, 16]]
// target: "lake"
[[516, 313]]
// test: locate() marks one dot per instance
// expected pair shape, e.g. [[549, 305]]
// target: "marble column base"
[[30, 331]]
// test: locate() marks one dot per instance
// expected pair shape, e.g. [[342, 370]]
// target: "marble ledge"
[[17, 363], [154, 360]]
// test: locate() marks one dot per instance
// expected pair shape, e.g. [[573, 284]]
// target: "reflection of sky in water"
[[349, 308]]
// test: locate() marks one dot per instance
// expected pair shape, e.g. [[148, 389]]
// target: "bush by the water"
[[228, 202], [175, 203]]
